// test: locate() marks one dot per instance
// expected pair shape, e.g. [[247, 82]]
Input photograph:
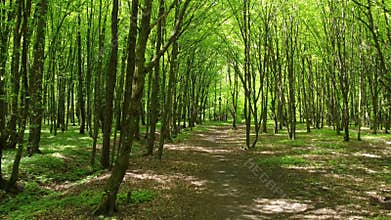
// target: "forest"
[[195, 109]]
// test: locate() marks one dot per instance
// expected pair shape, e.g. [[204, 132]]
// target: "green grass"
[[295, 143], [35, 201], [217, 123], [379, 218], [204, 127], [282, 161], [338, 166], [331, 145], [138, 196], [187, 132], [323, 148], [199, 128], [65, 157]]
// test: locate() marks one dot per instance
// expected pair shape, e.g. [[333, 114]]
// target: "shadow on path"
[[209, 176]]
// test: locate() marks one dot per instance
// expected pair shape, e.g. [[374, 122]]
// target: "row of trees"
[[21, 101], [115, 67], [321, 62], [105, 66]]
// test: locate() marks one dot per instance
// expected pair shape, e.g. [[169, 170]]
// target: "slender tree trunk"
[[6, 17], [232, 83], [305, 99], [134, 80], [169, 101], [119, 94], [97, 84], [36, 79], [15, 76], [155, 86], [24, 108], [89, 67], [4, 31], [131, 111], [290, 51], [80, 90], [110, 84]]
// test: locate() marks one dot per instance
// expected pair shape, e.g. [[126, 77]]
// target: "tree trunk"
[[24, 108], [131, 111], [119, 94], [134, 80], [36, 79], [167, 111], [15, 76], [97, 84], [6, 16], [110, 84], [80, 91], [155, 86], [89, 68]]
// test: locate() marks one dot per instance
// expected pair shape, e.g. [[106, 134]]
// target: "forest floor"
[[206, 174]]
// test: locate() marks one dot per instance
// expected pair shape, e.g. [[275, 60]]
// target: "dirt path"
[[209, 176], [228, 187]]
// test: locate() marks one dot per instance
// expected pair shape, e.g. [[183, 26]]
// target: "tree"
[[17, 35], [80, 94], [155, 85], [36, 77], [131, 111], [107, 205], [110, 84], [168, 102], [98, 113]]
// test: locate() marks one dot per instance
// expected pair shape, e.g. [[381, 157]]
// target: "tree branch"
[[171, 39]]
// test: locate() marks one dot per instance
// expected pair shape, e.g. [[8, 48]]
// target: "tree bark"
[[15, 76], [110, 84], [155, 86], [97, 84], [80, 91], [167, 111], [134, 80], [36, 79], [24, 107]]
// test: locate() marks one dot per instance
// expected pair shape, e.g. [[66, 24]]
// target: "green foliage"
[[282, 161], [65, 157], [379, 218], [181, 136], [300, 151], [332, 145], [35, 201], [338, 166], [25, 203], [217, 123], [138, 196], [200, 128], [385, 176], [295, 143], [141, 196], [186, 133]]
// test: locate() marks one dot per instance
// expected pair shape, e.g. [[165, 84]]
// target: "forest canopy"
[[132, 76]]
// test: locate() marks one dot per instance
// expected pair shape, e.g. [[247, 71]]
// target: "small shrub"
[[139, 196]]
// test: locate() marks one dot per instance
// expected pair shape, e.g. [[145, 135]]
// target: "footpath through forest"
[[206, 174], [209, 176]]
